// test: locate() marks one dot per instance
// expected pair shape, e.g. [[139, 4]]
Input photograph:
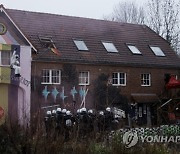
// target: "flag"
[[56, 51]]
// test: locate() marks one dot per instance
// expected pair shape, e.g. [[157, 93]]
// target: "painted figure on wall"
[[15, 64]]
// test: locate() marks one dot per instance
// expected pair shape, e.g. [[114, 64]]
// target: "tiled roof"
[[63, 29]]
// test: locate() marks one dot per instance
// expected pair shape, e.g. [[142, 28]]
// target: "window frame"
[[155, 53], [119, 79], [134, 53], [142, 80], [1, 57], [88, 78], [83, 43], [51, 77], [107, 49]]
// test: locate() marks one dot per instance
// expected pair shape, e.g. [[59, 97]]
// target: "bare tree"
[[127, 12], [163, 18]]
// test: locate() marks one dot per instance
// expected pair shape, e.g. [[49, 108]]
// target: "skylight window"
[[80, 45], [47, 41], [109, 47], [134, 49], [157, 51]]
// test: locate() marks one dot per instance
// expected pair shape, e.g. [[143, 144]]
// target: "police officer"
[[109, 117], [101, 121], [91, 120], [68, 124], [59, 120], [83, 127], [63, 120], [53, 118], [48, 123]]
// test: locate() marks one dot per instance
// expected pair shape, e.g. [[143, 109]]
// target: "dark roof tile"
[[64, 29]]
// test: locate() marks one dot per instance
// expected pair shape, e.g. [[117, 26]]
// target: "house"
[[69, 53]]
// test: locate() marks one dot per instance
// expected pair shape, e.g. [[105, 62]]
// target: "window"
[[51, 76], [134, 49], [47, 41], [109, 47], [5, 58], [80, 45], [83, 78], [145, 79], [157, 51], [119, 78]]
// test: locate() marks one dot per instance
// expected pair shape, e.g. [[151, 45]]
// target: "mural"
[[8, 39], [55, 93], [45, 93], [15, 64], [15, 80], [62, 95], [73, 92]]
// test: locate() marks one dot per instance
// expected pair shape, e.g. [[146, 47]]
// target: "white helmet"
[[53, 111], [108, 109], [64, 110], [68, 112], [101, 113], [90, 111], [59, 109], [48, 112], [78, 110], [83, 109]]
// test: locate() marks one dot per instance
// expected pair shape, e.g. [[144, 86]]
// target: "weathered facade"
[[14, 90], [69, 53]]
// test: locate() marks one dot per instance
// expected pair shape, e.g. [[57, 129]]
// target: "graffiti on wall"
[[54, 93], [45, 93], [63, 94]]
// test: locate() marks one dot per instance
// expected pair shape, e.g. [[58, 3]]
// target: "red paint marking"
[[1, 112]]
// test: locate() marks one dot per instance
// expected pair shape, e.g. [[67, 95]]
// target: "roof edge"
[[2, 9], [106, 63]]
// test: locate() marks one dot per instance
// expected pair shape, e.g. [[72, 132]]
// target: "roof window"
[[109, 46], [134, 49], [157, 51], [80, 45], [47, 41]]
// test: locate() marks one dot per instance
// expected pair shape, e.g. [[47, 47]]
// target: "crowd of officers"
[[83, 122]]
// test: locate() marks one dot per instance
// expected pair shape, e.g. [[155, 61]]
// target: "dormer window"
[[157, 51], [134, 49], [80, 44], [109, 46]]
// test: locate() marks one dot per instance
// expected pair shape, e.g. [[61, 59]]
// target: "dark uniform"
[[83, 125], [68, 125], [48, 123], [91, 121], [109, 117], [101, 121], [59, 121]]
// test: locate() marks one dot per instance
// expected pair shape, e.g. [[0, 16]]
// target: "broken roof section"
[[64, 28]]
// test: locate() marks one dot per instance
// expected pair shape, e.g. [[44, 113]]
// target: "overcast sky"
[[81, 8]]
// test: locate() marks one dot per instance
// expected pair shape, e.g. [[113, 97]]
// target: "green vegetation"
[[16, 140]]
